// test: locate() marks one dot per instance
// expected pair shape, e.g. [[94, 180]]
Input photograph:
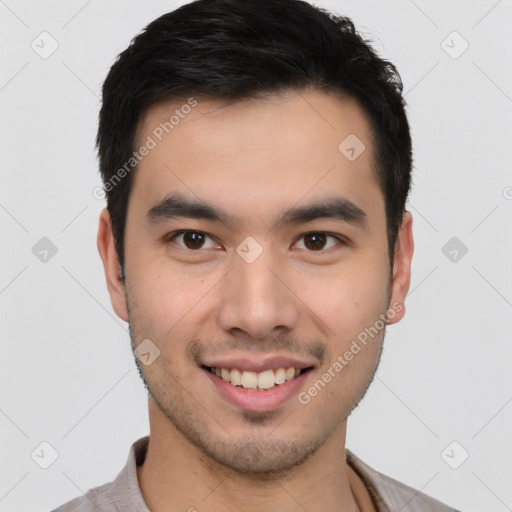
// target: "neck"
[[177, 474]]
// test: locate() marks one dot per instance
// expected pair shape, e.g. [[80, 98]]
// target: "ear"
[[401, 279], [108, 254]]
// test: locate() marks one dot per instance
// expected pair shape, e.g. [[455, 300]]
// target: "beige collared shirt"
[[124, 494]]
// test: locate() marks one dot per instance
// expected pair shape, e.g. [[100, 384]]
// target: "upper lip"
[[258, 364]]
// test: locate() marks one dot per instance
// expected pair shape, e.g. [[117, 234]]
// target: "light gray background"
[[67, 372]]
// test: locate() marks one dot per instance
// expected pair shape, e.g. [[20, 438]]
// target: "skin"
[[253, 159]]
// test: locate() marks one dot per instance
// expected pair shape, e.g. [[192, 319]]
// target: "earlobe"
[[404, 249], [113, 273]]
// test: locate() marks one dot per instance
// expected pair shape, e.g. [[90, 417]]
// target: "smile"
[[257, 381]]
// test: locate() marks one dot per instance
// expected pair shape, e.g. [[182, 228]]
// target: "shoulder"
[[391, 495], [123, 494], [98, 498]]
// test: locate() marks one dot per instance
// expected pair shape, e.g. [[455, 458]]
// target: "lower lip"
[[258, 401]]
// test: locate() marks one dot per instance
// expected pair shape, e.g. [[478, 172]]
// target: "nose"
[[256, 299]]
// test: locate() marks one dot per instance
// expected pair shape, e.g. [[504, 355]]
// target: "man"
[[256, 160]]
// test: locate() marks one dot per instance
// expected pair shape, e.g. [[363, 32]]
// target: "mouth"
[[261, 381]]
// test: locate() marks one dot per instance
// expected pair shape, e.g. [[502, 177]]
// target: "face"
[[253, 243]]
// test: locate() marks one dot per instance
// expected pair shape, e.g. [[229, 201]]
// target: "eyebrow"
[[175, 205]]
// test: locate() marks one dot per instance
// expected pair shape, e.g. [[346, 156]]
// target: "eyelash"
[[172, 236]]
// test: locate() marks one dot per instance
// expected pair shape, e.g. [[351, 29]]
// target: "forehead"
[[278, 149]]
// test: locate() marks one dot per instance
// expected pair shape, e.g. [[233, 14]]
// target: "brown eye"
[[317, 241], [314, 241], [192, 240]]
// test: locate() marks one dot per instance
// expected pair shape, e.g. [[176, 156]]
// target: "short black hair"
[[238, 49]]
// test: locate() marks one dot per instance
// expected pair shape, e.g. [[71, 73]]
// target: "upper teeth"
[[254, 380]]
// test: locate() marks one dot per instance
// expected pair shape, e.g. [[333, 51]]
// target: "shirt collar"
[[128, 496], [126, 490]]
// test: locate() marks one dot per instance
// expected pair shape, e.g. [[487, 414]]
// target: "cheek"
[[164, 313], [168, 302], [349, 302]]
